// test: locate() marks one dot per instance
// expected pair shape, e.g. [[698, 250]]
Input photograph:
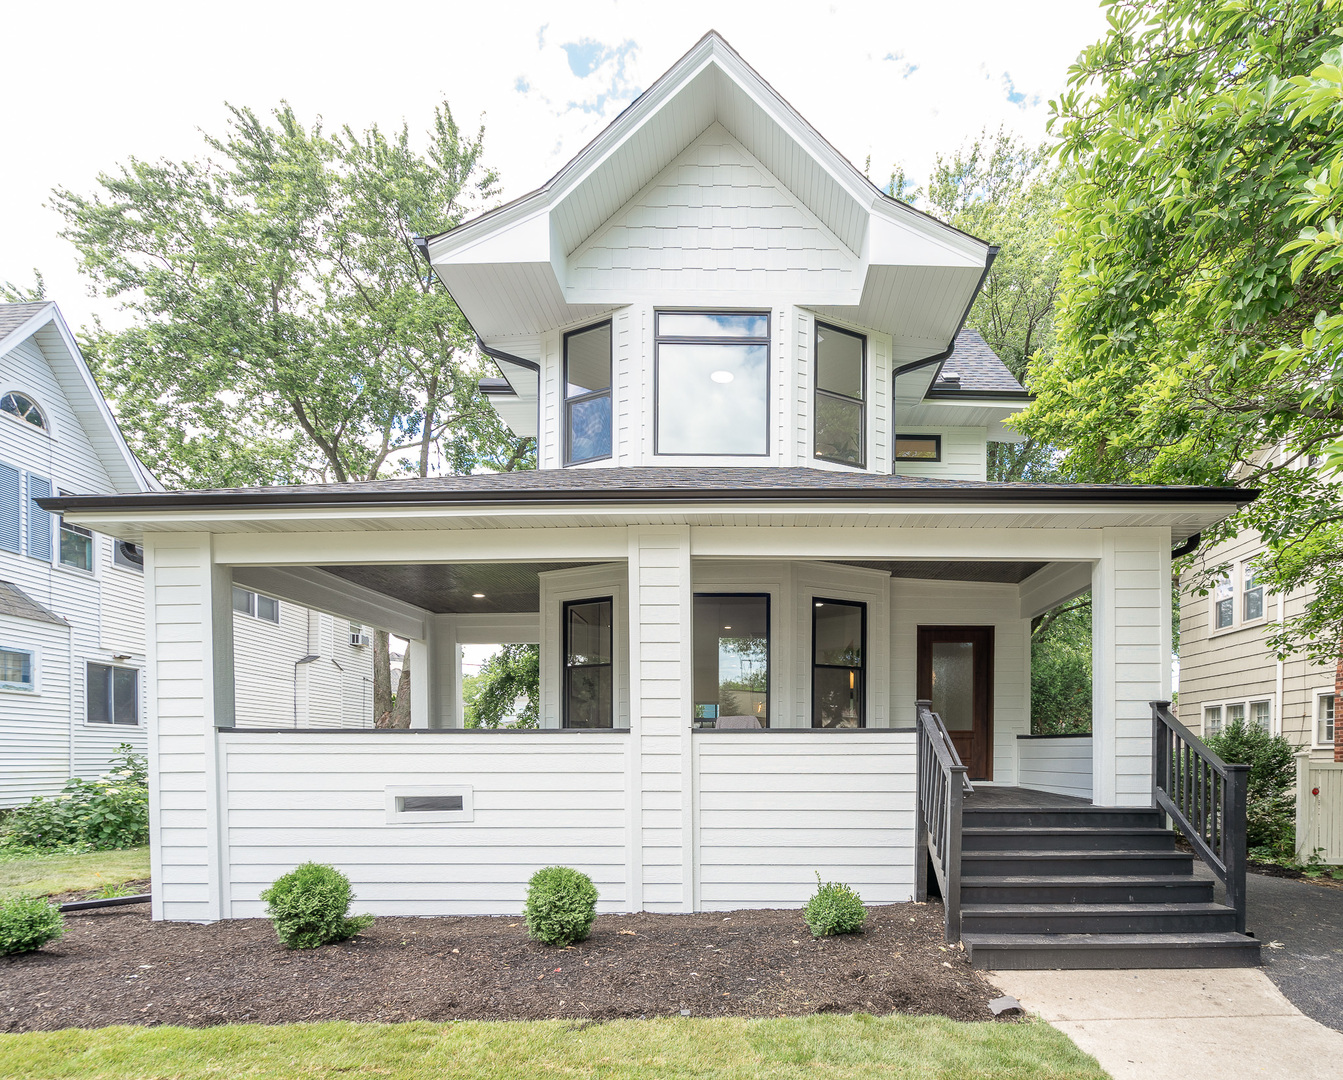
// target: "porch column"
[[1131, 657], [188, 693], [661, 827]]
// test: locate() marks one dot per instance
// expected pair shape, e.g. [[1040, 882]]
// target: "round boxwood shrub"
[[561, 905], [310, 905], [28, 924], [834, 909]]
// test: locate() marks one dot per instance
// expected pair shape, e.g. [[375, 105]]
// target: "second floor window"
[[712, 383], [1238, 598], [840, 395], [587, 394]]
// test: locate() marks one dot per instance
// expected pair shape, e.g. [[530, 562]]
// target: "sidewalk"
[[1153, 1025]]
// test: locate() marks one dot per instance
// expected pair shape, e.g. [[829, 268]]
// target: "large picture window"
[[587, 394], [841, 394], [588, 667], [839, 648], [712, 383], [731, 650], [113, 694]]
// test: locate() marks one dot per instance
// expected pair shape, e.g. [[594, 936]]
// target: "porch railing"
[[1205, 797], [943, 786]]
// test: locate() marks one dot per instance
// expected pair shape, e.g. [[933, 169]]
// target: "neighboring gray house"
[[72, 620]]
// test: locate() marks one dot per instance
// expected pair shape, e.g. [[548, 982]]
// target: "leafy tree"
[[1061, 670], [490, 697], [1200, 317], [283, 325]]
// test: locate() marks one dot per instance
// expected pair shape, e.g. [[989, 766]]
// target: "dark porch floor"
[[1019, 798]]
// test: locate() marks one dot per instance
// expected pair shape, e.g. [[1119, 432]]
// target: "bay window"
[[711, 379], [731, 653]]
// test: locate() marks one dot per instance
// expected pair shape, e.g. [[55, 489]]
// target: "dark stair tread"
[[1110, 907], [1067, 880], [1177, 940], [1064, 830], [1075, 853]]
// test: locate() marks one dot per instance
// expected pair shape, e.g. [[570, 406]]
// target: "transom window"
[[17, 669], [918, 448], [1238, 598], [841, 393], [731, 649], [712, 383], [589, 698], [22, 406], [839, 648], [587, 394], [258, 605], [1324, 720], [113, 694]]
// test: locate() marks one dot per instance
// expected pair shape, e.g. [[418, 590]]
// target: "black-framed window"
[[589, 671], [918, 448], [587, 394], [113, 694], [838, 663], [711, 382], [841, 396], [731, 655]]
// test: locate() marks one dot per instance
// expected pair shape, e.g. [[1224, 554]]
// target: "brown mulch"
[[114, 966]]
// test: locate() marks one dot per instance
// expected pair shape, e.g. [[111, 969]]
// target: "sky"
[[895, 82]]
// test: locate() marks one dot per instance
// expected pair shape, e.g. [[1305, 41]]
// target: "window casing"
[[257, 605], [587, 394], [918, 448], [1323, 728], [589, 669], [1238, 599], [711, 384], [112, 694], [18, 669], [732, 660], [838, 669], [1212, 720], [1218, 717], [840, 400]]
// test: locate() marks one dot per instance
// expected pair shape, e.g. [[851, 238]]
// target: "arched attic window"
[[25, 408]]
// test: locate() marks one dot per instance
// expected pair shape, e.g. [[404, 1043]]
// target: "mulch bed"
[[114, 966]]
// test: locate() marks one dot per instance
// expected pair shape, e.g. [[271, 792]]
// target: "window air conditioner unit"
[[359, 637]]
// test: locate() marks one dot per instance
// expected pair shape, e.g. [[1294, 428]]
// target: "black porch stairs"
[[1087, 887]]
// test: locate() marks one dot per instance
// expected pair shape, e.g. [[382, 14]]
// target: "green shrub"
[[26, 925], [1270, 792], [97, 815], [834, 909], [561, 906], [309, 906]]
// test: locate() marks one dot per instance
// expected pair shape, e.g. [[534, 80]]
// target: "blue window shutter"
[[39, 521], [11, 501]]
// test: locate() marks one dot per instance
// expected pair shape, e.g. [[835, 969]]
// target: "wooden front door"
[[956, 675]]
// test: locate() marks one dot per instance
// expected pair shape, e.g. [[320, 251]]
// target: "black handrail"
[[1205, 797], [943, 785]]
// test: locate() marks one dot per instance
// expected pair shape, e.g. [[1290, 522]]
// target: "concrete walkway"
[[1154, 1025]]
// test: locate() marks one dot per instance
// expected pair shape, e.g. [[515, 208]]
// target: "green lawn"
[[41, 875], [833, 1047]]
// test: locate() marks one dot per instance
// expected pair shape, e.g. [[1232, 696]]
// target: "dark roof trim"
[[389, 496], [496, 387], [499, 354], [938, 358], [988, 395]]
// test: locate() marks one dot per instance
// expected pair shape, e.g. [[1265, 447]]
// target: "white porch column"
[[661, 827], [188, 693], [425, 699], [1131, 650]]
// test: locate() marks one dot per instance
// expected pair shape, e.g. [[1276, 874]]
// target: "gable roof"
[[42, 322], [979, 368], [17, 603], [508, 269]]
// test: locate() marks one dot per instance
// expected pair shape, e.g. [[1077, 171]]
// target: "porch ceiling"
[[1003, 573], [450, 587]]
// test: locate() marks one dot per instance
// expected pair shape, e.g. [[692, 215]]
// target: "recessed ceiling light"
[[722, 376], [478, 595], [727, 628]]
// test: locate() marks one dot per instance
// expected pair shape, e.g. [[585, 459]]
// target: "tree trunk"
[[382, 680], [400, 717]]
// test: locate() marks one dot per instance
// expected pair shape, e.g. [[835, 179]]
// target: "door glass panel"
[[953, 690]]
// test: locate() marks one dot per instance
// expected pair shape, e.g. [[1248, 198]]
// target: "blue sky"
[[894, 81]]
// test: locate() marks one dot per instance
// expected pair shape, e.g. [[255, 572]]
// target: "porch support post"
[[1131, 656], [661, 811], [425, 708]]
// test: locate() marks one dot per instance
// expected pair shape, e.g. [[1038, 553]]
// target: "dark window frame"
[[817, 394], [112, 667], [935, 437], [769, 642], [590, 395], [861, 669], [569, 668], [677, 339]]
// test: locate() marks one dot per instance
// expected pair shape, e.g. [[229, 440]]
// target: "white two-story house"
[[760, 533], [72, 623]]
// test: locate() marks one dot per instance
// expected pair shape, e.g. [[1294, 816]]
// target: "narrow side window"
[[841, 396], [589, 698], [587, 394], [839, 648]]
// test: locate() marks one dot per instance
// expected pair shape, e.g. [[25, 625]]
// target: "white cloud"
[[110, 81]]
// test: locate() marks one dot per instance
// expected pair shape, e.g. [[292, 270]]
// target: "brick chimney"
[[1338, 699]]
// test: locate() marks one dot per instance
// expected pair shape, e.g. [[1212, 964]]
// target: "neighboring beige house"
[[1228, 671]]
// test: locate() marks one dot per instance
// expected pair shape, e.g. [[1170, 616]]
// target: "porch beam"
[[437, 546], [317, 589], [1054, 585], [981, 545]]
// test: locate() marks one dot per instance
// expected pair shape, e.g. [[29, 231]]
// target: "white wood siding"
[[539, 799], [1319, 818], [776, 808], [964, 454], [1061, 765]]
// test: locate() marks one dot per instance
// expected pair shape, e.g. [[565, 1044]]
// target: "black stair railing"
[[1205, 797], [943, 785]]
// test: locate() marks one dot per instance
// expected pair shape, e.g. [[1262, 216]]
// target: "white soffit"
[[972, 412]]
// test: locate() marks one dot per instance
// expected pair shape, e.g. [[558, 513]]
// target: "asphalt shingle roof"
[[978, 366], [14, 601], [12, 316]]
